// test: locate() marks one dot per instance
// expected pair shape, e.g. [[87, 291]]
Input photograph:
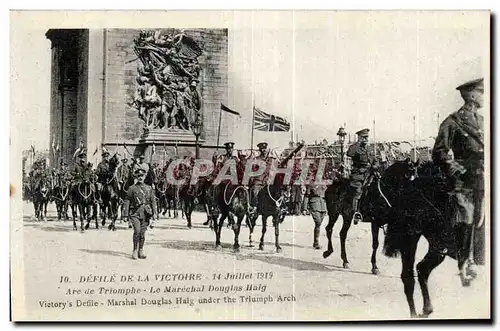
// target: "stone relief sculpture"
[[167, 80]]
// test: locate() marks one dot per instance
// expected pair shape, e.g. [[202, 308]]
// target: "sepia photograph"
[[251, 165]]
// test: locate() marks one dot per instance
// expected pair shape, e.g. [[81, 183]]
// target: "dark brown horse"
[[110, 193], [419, 199]]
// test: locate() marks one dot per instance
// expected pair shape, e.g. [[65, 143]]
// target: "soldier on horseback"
[[462, 133], [257, 183], [102, 171], [362, 164]]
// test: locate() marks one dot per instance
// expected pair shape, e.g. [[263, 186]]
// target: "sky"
[[319, 70]]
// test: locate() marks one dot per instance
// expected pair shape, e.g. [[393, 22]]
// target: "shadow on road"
[[49, 227], [106, 252]]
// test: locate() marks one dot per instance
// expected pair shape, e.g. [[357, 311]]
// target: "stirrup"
[[357, 217]]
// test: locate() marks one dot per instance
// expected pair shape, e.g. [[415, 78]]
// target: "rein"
[[234, 192], [277, 202], [83, 195]]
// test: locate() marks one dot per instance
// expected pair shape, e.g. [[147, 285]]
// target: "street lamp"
[[197, 132], [341, 133]]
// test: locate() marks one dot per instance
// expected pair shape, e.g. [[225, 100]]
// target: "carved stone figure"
[[167, 95]]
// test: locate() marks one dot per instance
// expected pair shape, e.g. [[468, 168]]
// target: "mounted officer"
[[140, 209], [220, 160], [362, 163], [140, 164], [102, 171], [462, 133], [257, 183]]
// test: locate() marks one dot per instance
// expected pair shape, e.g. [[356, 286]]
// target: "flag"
[[227, 109], [268, 122]]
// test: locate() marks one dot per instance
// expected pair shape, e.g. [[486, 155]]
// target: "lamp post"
[[341, 133], [197, 132]]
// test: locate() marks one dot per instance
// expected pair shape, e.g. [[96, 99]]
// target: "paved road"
[[303, 285]]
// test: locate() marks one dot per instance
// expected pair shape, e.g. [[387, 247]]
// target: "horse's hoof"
[[236, 250], [423, 316], [375, 271], [114, 229], [103, 223], [346, 265], [327, 253], [110, 227], [218, 247], [82, 230], [427, 311], [251, 245], [261, 247], [278, 249], [86, 227]]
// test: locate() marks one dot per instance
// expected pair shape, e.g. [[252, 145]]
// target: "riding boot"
[[356, 217], [316, 236], [136, 243], [463, 236], [141, 247]]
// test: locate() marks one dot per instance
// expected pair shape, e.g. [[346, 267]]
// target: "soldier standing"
[[314, 201], [140, 209], [462, 133], [361, 164]]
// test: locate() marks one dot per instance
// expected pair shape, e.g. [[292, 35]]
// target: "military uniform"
[[220, 160], [102, 171], [258, 182], [462, 133], [140, 207], [314, 201], [361, 164]]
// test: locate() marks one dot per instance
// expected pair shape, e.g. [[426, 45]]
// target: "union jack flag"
[[268, 122]]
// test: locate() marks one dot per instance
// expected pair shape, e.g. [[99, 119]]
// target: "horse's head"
[[400, 172]]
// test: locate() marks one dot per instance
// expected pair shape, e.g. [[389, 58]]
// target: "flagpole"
[[374, 140], [253, 121], [218, 130], [414, 141]]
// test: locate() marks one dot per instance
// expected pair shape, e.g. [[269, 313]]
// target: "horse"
[[166, 194], [418, 194], [84, 198], [41, 196], [110, 194], [271, 201], [232, 200], [338, 198], [61, 195]]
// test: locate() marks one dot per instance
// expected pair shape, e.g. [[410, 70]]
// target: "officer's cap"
[[105, 153], [476, 84], [139, 172], [262, 145], [363, 132], [229, 145]]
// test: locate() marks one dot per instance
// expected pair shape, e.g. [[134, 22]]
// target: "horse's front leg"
[[74, 208], [218, 229], [104, 212], [277, 222], [45, 204], [251, 219], [264, 229], [113, 209], [347, 220], [407, 275], [375, 243], [236, 229], [81, 209], [332, 219], [432, 259], [189, 212]]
